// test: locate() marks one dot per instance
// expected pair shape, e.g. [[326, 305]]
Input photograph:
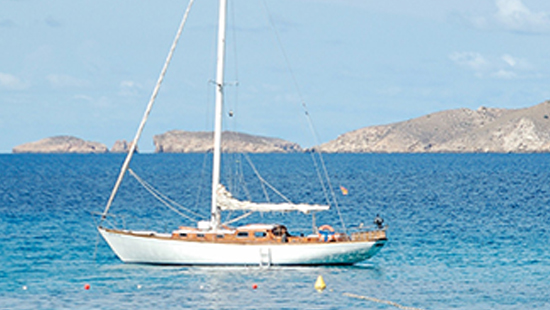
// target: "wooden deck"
[[270, 234]]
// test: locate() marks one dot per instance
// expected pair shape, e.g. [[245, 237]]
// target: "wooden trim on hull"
[[162, 249], [252, 237]]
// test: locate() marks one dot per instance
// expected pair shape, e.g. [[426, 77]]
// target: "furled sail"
[[226, 201]]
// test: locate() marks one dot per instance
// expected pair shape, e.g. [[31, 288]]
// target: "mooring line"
[[391, 303]]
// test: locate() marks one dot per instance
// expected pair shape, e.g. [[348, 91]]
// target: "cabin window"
[[242, 234], [260, 234], [220, 236], [184, 235], [200, 235]]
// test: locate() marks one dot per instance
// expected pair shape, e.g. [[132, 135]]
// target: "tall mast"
[[133, 146], [215, 211]]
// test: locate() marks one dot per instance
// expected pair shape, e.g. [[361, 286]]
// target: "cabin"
[[254, 234]]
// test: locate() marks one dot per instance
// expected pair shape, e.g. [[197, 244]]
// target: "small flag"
[[344, 190]]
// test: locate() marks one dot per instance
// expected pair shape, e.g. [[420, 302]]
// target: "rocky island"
[[485, 130], [61, 144], [178, 141], [122, 146]]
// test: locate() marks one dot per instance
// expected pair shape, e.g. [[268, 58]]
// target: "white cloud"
[[511, 61], [504, 74], [83, 98], [514, 15], [503, 67], [11, 82], [66, 81], [129, 88], [471, 60], [99, 103], [516, 63]]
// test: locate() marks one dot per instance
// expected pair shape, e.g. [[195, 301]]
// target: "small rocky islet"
[[70, 144]]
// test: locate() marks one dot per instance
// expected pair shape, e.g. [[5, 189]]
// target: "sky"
[[88, 68]]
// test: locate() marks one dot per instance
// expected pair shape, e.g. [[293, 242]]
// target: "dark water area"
[[466, 231]]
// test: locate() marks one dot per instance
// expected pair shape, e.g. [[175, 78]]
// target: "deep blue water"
[[465, 232]]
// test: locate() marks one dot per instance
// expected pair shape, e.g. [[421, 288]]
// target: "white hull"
[[160, 249]]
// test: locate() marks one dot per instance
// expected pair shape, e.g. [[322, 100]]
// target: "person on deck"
[[378, 221]]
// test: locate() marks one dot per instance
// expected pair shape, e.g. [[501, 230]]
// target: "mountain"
[[177, 141], [486, 130], [61, 144]]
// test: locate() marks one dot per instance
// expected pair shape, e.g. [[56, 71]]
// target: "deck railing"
[[372, 235]]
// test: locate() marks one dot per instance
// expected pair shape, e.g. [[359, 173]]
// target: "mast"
[[133, 146], [215, 211]]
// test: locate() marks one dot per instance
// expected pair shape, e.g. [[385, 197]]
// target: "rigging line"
[[308, 117], [201, 181], [297, 87], [263, 181], [235, 57], [320, 177], [324, 168], [164, 197], [316, 142], [229, 171], [238, 218], [234, 35], [280, 44], [228, 216], [133, 146], [291, 72], [332, 192], [158, 195], [242, 179]]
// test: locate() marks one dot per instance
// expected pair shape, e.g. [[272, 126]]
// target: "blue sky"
[[87, 68]]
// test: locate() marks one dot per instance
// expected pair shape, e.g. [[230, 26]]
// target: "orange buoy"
[[254, 286], [86, 286]]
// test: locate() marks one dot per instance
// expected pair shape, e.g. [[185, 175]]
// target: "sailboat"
[[212, 242]]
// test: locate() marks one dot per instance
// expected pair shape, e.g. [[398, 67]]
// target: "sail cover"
[[226, 201]]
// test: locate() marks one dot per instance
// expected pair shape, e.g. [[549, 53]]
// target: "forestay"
[[225, 201]]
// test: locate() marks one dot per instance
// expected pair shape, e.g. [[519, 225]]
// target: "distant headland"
[[178, 141], [175, 141], [485, 130], [69, 144]]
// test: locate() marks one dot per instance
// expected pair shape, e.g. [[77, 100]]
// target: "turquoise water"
[[465, 232]]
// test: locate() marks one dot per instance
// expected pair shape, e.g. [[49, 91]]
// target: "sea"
[[465, 231]]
